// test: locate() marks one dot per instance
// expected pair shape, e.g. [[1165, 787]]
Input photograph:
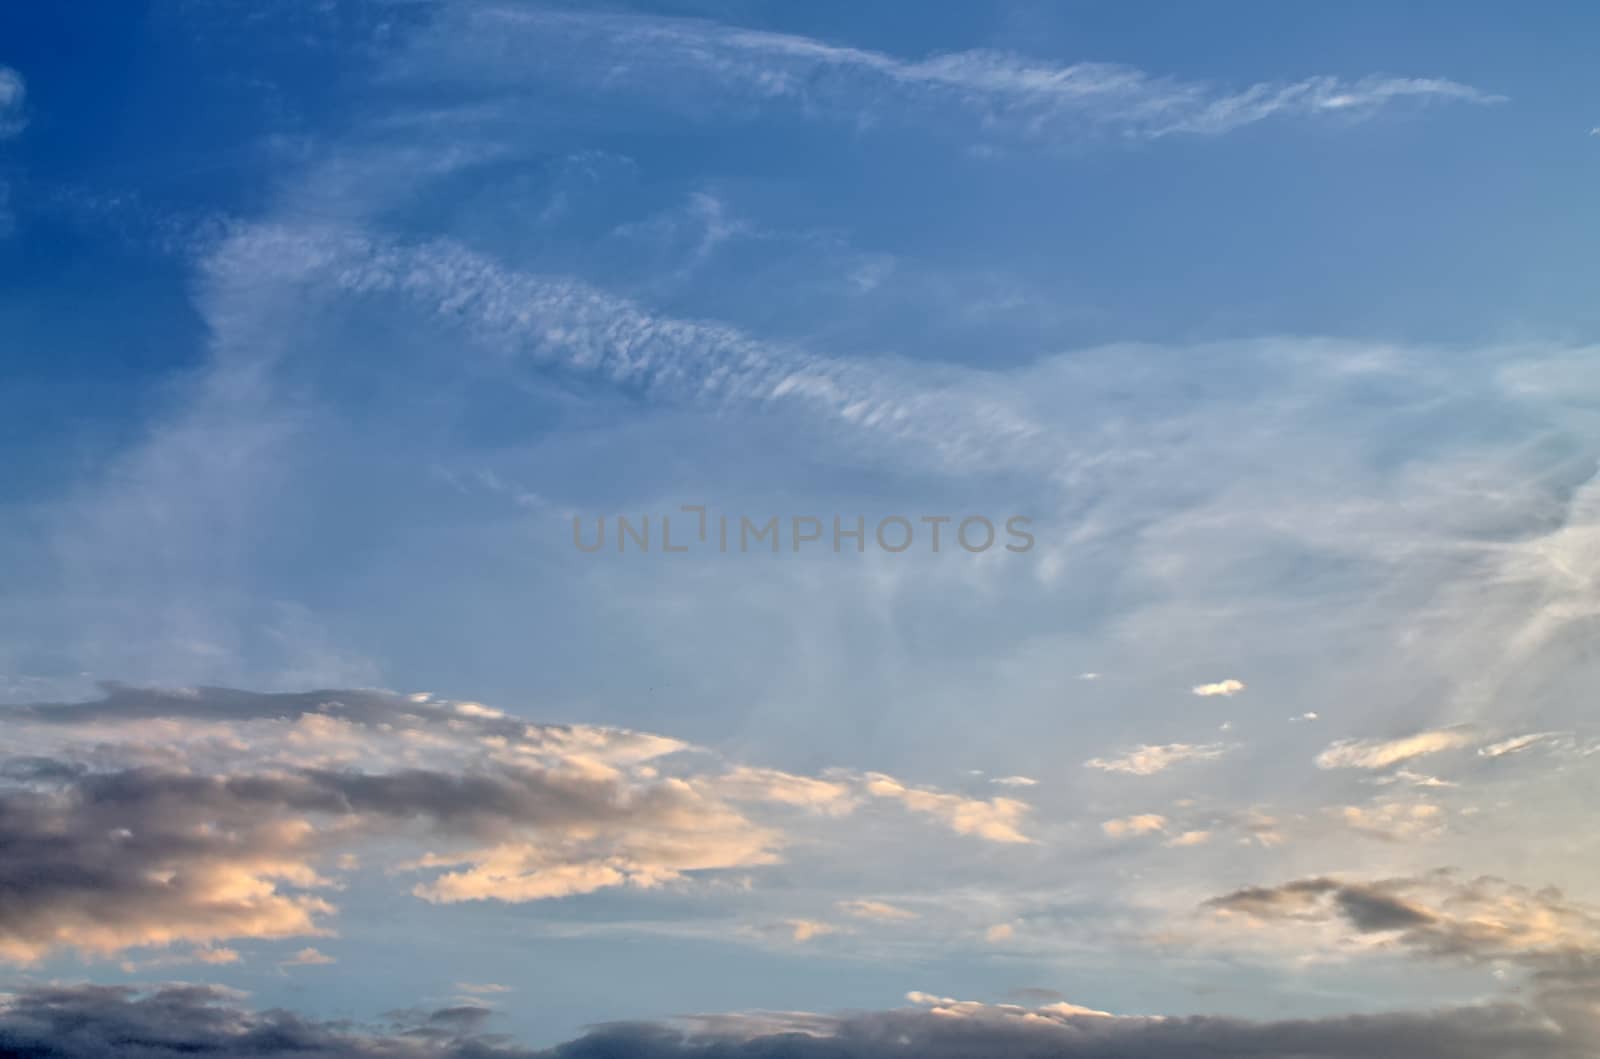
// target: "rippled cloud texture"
[[323, 326]]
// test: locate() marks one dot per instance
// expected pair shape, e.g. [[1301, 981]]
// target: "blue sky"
[[322, 326]]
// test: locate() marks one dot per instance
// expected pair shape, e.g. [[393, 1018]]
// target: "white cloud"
[[994, 819], [308, 957], [1190, 838], [1381, 753], [867, 909], [1228, 687], [1149, 760], [803, 930], [1146, 824], [1516, 744], [697, 65]]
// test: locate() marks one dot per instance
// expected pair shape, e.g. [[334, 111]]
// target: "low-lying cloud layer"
[[89, 1022]]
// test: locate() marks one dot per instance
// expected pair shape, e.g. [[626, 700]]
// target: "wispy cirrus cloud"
[[701, 65], [1382, 753]]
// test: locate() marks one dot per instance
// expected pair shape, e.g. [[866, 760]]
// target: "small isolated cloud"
[[1015, 781], [13, 94], [1148, 760], [1190, 838], [1225, 688], [1516, 744], [308, 957], [1147, 824], [1131, 826], [1381, 753], [803, 930], [482, 988], [1414, 779], [880, 910], [999, 933]]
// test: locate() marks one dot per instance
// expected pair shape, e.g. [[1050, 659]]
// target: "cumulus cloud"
[[1381, 753], [154, 817], [1148, 760], [803, 930], [1145, 824], [1439, 915], [995, 819], [771, 785], [308, 957], [1228, 687]]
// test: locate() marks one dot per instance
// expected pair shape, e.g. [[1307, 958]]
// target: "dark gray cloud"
[[1367, 908], [98, 1022], [1479, 921], [106, 1022]]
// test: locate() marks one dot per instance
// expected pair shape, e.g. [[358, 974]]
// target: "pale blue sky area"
[[319, 326]]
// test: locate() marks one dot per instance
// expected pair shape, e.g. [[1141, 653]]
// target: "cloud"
[[13, 95], [698, 67], [880, 910], [994, 819], [138, 858], [1395, 821], [307, 957], [151, 817], [1516, 744], [1228, 687], [1439, 915], [1381, 753], [1147, 824], [1190, 838], [91, 1022], [803, 930], [1149, 760], [771, 785]]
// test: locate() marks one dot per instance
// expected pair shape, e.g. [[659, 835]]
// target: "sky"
[[827, 531]]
